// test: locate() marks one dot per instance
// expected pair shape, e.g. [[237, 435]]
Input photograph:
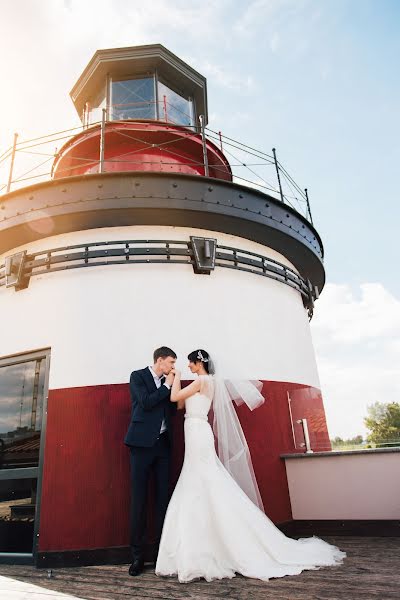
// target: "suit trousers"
[[144, 461]]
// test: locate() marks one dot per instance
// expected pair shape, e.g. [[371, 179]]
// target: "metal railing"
[[154, 251], [31, 161]]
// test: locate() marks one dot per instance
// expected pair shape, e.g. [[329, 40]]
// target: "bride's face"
[[194, 367]]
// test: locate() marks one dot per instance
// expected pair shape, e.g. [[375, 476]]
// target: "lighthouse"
[[142, 237]]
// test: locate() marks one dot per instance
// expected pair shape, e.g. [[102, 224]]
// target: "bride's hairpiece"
[[201, 357]]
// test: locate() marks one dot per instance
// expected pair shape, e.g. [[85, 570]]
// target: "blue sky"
[[317, 79]]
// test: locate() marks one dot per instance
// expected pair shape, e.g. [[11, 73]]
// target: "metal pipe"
[[308, 206], [277, 173], [291, 417], [157, 100], [306, 435], [54, 162], [220, 140], [102, 138], [165, 109], [203, 137], [14, 148], [109, 99], [87, 115]]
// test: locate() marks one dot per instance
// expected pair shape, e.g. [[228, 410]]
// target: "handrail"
[[275, 179], [156, 251]]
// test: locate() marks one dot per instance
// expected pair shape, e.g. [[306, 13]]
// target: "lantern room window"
[[133, 99], [142, 83], [174, 108], [93, 109], [140, 98]]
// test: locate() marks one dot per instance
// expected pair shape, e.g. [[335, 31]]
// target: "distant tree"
[[356, 440], [383, 422], [338, 442]]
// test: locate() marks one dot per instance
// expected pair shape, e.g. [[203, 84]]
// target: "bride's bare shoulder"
[[206, 385]]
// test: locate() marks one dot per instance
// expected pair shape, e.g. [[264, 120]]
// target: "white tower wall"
[[103, 322]]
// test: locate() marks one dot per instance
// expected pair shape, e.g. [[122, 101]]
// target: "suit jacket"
[[150, 405]]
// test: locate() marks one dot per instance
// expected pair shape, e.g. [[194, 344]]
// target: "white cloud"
[[225, 78], [356, 338], [274, 42], [271, 19], [257, 14], [354, 319]]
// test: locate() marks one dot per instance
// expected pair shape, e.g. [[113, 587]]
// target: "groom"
[[149, 441]]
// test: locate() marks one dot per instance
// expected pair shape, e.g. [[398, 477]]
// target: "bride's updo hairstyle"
[[202, 356]]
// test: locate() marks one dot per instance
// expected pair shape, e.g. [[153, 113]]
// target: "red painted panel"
[[141, 146], [85, 493]]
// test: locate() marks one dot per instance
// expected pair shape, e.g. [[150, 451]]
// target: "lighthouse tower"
[[141, 238]]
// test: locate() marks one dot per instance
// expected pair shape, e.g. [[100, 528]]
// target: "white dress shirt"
[[157, 381]]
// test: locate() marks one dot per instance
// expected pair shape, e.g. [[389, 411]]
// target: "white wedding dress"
[[213, 530]]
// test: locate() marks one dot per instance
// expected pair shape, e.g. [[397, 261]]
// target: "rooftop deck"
[[371, 570]]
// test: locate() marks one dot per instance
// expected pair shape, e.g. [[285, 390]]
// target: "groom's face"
[[166, 364]]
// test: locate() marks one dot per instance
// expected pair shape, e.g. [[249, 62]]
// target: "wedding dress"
[[213, 530]]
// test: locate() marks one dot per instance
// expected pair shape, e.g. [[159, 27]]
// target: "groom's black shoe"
[[136, 568]]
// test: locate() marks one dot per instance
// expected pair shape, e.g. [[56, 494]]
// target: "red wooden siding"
[[85, 493]]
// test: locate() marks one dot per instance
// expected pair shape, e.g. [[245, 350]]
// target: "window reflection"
[[176, 108], [21, 402], [133, 99]]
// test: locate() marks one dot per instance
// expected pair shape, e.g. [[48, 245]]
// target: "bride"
[[215, 524]]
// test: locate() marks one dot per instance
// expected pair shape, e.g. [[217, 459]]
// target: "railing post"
[[102, 138], [203, 137], [165, 109], [10, 175], [291, 418], [54, 161], [87, 115], [277, 173], [308, 206], [303, 422]]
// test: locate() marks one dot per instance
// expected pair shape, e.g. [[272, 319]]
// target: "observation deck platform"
[[370, 571]]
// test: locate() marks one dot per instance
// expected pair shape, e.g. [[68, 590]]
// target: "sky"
[[318, 80]]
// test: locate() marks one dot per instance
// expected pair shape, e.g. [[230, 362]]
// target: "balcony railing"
[[31, 161]]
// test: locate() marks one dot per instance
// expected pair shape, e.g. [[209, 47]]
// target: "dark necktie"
[[162, 379]]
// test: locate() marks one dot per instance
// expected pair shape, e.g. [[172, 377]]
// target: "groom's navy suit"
[[150, 452]]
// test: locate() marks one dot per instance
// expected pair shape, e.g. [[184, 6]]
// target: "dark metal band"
[[158, 251], [137, 199]]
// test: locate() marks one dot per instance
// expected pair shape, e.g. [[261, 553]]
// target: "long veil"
[[232, 447]]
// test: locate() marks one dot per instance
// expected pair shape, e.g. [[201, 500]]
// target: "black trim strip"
[[334, 527]]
